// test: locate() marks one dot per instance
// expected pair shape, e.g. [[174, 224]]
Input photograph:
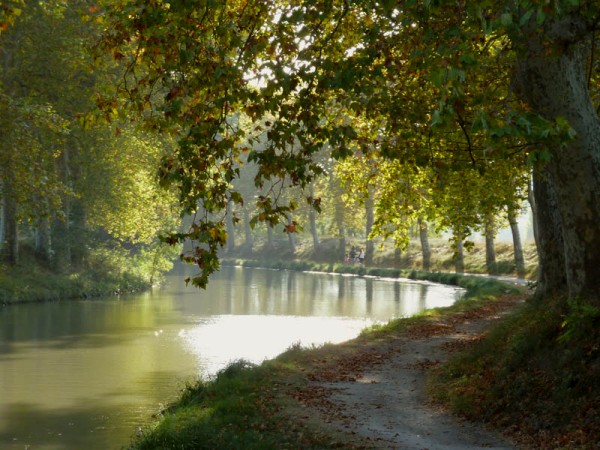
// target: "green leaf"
[[436, 118], [541, 16], [525, 18], [506, 19]]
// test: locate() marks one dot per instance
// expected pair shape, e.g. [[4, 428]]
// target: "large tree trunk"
[[490, 249], [425, 248], [340, 219], [397, 257], [61, 227], [42, 240], [552, 274], [79, 234], [517, 245], [553, 82]]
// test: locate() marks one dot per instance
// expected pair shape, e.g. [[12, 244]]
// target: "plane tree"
[[497, 83], [33, 129], [79, 186]]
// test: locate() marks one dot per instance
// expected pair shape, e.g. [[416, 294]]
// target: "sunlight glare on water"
[[85, 374], [258, 338]]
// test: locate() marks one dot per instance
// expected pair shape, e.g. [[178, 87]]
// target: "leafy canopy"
[[425, 84]]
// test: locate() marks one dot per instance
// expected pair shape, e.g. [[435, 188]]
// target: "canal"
[[86, 374]]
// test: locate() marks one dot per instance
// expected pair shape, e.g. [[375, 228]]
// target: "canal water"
[[87, 374]]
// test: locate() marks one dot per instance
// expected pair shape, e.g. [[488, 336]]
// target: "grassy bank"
[[326, 255], [537, 375], [254, 407], [33, 283], [475, 286]]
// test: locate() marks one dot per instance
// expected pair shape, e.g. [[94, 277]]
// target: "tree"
[[229, 222], [313, 221], [551, 78], [425, 248], [9, 10], [79, 186], [517, 246], [33, 129], [417, 72], [459, 257], [490, 250]]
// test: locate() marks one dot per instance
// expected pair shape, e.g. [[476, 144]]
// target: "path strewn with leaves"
[[378, 393]]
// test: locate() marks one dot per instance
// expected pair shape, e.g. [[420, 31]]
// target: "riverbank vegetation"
[[535, 377], [106, 271], [326, 258], [259, 407], [80, 205]]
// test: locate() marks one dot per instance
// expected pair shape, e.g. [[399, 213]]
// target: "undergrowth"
[[28, 283], [238, 409], [537, 376]]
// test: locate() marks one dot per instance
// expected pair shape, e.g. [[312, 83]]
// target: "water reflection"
[[86, 374]]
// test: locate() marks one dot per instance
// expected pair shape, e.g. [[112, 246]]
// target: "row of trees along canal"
[[439, 113], [75, 194], [79, 193]]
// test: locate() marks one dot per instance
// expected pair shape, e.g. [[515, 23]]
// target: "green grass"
[[238, 409], [248, 407], [537, 375], [384, 256]]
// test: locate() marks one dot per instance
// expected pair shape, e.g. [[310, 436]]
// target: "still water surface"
[[86, 374]]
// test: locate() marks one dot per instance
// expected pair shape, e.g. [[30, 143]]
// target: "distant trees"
[[405, 82], [71, 186]]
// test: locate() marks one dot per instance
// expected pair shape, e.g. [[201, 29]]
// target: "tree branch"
[[461, 123]]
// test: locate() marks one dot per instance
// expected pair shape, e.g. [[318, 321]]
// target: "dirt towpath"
[[378, 395]]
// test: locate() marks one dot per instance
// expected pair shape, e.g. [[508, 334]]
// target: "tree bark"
[[340, 219], [370, 219], [517, 245], [42, 240], [61, 227], [291, 239], [78, 234], [230, 227], [425, 248], [459, 254], [553, 83], [490, 249], [312, 216], [552, 275], [533, 206], [397, 258], [249, 238]]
